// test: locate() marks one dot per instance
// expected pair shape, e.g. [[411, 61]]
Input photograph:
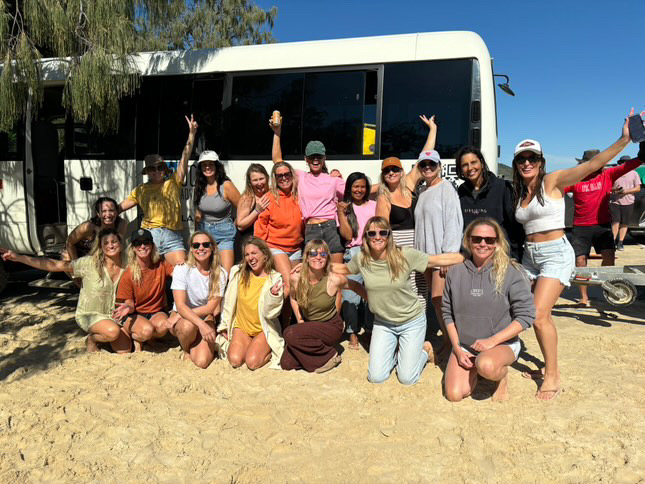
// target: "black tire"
[[4, 276], [629, 293]]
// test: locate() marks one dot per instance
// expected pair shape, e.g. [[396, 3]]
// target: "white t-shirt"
[[189, 279]]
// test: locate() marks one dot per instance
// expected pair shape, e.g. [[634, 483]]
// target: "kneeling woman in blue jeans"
[[399, 320]]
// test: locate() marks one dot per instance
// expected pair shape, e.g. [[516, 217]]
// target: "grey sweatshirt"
[[438, 222], [470, 302]]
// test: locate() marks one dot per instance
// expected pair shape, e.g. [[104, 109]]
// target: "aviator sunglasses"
[[197, 245], [390, 169], [428, 164], [315, 253], [476, 239], [373, 233]]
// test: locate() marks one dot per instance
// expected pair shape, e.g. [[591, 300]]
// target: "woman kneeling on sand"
[[250, 329], [100, 273], [399, 320], [486, 303], [198, 287], [315, 299], [142, 290]]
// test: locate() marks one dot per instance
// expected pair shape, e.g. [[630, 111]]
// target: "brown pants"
[[310, 345]]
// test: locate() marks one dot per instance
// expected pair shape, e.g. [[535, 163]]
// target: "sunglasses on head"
[[476, 239], [316, 253], [390, 169], [533, 159], [283, 176], [197, 245], [139, 243], [373, 233], [152, 169], [428, 164]]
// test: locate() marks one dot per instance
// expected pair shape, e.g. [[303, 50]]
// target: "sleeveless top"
[[402, 218], [322, 306], [215, 208], [540, 218]]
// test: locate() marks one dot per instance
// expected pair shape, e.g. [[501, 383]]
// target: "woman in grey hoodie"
[[486, 304]]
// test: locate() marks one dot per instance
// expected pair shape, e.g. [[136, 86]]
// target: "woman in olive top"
[[399, 320], [100, 273], [250, 330], [159, 200], [315, 298]]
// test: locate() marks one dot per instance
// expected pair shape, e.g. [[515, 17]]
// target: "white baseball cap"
[[209, 155], [528, 145]]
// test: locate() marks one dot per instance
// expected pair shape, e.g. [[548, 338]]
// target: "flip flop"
[[532, 374], [554, 393]]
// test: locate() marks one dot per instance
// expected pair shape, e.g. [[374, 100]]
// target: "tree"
[[93, 41]]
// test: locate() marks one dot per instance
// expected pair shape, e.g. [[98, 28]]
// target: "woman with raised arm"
[[250, 331], [280, 226], [198, 287], [353, 213], [319, 194], [100, 273], [142, 290], [548, 257], [159, 199], [315, 298], [399, 320], [215, 197], [253, 201], [487, 303]]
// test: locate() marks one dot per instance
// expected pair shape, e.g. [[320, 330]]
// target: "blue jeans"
[[223, 232], [167, 240], [410, 357], [355, 311]]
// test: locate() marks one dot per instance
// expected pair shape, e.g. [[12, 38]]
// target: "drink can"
[[275, 118]]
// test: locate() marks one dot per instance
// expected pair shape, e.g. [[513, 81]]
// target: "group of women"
[[364, 263]]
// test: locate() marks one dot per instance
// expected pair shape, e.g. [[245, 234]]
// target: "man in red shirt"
[[591, 219]]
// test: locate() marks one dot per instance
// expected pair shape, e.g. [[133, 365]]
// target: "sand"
[[66, 415]]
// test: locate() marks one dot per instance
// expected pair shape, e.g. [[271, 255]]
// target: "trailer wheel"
[[627, 296], [4, 276]]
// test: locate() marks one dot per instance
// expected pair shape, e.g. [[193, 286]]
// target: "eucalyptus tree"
[[92, 41]]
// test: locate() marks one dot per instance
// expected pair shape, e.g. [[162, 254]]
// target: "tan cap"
[[391, 161]]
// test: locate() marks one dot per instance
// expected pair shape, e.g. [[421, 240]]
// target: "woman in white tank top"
[[548, 257]]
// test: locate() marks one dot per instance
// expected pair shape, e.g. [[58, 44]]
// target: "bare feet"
[[427, 347], [137, 346], [91, 345], [333, 362], [550, 388], [353, 341], [501, 393]]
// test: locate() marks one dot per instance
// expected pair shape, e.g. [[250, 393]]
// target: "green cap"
[[314, 148]]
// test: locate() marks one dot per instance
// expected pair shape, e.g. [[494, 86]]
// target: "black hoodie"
[[494, 200]]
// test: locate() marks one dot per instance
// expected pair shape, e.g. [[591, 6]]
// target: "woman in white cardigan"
[[250, 331]]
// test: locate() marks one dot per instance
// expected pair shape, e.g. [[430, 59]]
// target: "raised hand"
[[192, 124], [429, 122], [276, 128]]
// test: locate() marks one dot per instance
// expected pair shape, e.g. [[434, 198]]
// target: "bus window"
[[442, 88], [253, 100], [207, 109], [10, 144]]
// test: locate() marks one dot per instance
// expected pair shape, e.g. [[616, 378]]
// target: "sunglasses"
[[476, 239], [139, 243], [316, 253], [152, 169], [424, 165], [197, 245], [391, 169], [283, 176], [315, 158], [520, 160], [373, 233]]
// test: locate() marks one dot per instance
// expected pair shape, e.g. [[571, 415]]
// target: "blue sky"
[[576, 67]]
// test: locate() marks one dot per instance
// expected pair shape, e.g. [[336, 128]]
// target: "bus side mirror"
[[86, 184]]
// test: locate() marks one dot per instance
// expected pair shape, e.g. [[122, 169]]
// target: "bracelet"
[[256, 209]]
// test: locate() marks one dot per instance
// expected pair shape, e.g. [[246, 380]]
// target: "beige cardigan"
[[269, 307]]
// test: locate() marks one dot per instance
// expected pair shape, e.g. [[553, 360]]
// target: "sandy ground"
[[70, 416]]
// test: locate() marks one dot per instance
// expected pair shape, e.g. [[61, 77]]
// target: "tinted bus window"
[[442, 88], [253, 100], [207, 109]]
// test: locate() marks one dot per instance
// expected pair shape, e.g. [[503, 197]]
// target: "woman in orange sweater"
[[280, 225]]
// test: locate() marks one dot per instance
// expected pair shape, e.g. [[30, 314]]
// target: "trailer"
[[619, 283]]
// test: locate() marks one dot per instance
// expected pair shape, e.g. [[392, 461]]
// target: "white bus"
[[361, 97]]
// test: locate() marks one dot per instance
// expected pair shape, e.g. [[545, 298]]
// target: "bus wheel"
[[4, 276]]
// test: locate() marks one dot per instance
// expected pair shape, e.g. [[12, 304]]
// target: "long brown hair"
[[304, 284], [214, 264], [245, 268], [394, 256], [521, 189], [97, 250], [248, 188]]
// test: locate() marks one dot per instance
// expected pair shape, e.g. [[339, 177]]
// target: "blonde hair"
[[248, 187], [274, 181], [384, 191], [501, 258], [133, 264], [304, 284], [97, 254], [394, 256], [245, 268], [214, 265]]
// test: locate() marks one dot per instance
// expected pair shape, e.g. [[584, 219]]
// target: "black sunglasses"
[[197, 245], [373, 233], [315, 253], [391, 169], [520, 160], [315, 157], [428, 164], [283, 176], [476, 239], [152, 169], [139, 243]]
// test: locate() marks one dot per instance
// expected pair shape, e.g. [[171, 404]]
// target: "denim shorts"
[[327, 231], [515, 347], [554, 259], [167, 240], [223, 232], [297, 255]]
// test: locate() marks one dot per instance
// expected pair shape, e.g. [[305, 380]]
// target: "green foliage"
[[93, 40]]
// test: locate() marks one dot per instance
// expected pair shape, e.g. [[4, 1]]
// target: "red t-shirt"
[[150, 296], [591, 196]]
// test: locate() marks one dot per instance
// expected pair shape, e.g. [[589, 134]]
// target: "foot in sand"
[[332, 363], [427, 347], [501, 393], [91, 345], [353, 341], [137, 346], [550, 388]]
